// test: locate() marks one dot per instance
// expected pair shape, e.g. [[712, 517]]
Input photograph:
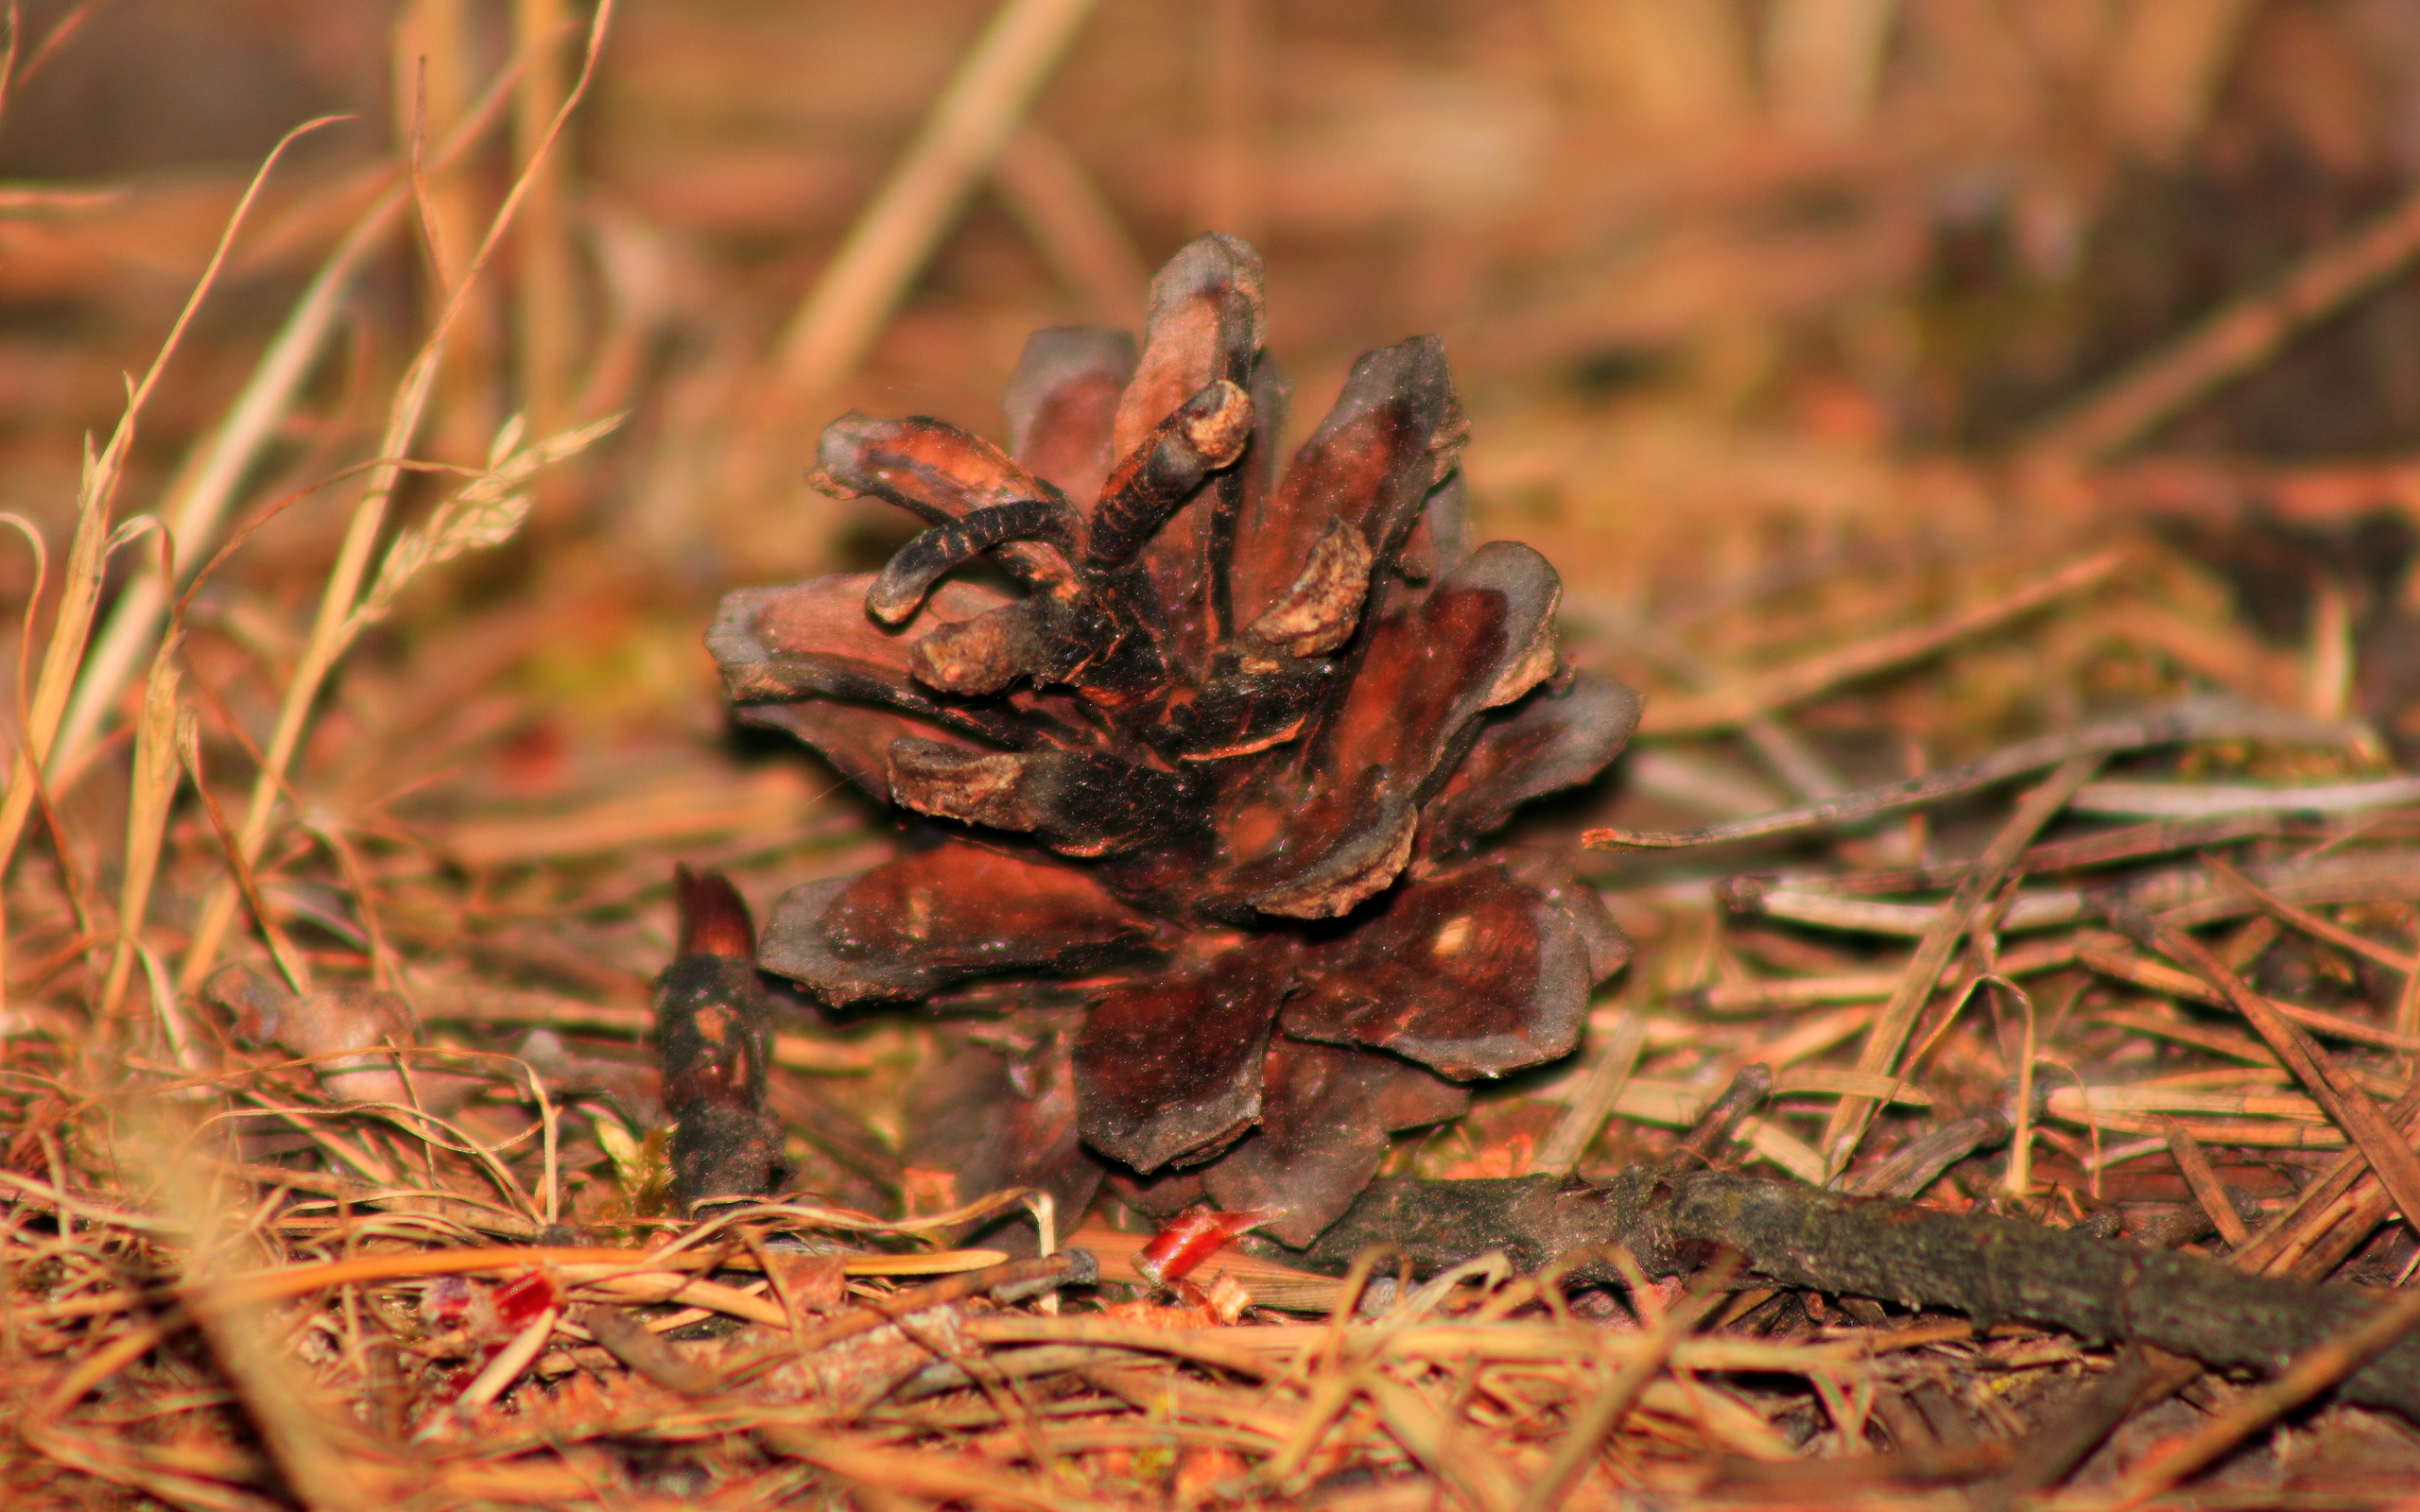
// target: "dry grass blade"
[[1778, 689], [163, 732], [204, 488], [897, 231], [1889, 1033], [2348, 1106], [88, 552], [340, 601]]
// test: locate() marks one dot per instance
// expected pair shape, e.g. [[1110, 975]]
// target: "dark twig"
[[1989, 1269]]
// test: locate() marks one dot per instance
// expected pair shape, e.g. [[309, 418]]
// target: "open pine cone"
[[1211, 787]]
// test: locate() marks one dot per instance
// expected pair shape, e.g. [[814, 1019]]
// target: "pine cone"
[[1211, 788]]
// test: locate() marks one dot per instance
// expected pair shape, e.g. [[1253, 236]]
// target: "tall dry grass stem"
[[204, 488], [340, 603], [896, 232], [89, 549]]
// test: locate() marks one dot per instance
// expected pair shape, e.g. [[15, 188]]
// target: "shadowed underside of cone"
[[1216, 782]]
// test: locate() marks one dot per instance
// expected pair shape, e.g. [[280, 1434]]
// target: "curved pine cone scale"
[[1209, 799]]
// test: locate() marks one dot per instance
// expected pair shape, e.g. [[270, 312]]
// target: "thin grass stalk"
[[542, 307], [153, 791], [88, 550], [199, 496], [338, 603], [897, 232], [239, 870]]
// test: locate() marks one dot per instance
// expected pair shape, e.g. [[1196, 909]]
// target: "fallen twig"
[[1989, 1269]]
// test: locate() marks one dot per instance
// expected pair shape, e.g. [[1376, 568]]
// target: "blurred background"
[[1781, 322]]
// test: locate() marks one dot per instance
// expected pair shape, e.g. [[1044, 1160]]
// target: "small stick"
[[1800, 682], [2195, 1167], [1889, 1035], [2319, 1368], [2190, 719], [1989, 1268], [2396, 1167]]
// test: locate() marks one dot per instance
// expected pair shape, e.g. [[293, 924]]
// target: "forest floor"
[[1988, 436]]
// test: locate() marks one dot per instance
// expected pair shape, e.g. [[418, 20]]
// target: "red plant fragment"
[[1206, 807], [1181, 1245], [520, 1302]]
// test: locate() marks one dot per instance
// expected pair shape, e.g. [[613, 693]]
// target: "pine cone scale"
[[944, 914], [1061, 406], [1473, 975], [1168, 1073]]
